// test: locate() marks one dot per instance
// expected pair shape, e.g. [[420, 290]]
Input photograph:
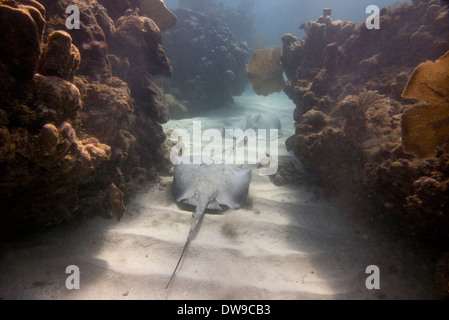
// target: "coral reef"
[[425, 127], [178, 109], [358, 130], [265, 71], [59, 57], [90, 39], [79, 122], [239, 20], [116, 200], [21, 57], [137, 40], [209, 61], [347, 83]]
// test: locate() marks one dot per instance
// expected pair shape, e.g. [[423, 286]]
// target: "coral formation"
[[353, 116], [59, 57], [347, 84], [116, 200], [425, 127], [90, 39], [178, 109], [265, 71], [75, 139], [21, 57], [137, 41]]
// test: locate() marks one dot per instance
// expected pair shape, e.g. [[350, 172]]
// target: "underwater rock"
[[20, 40], [116, 109], [292, 55], [49, 167], [59, 57], [313, 120], [120, 68], [81, 156], [116, 201], [8, 83], [92, 153], [327, 12], [67, 133], [137, 42], [265, 72], [90, 39], [57, 94], [178, 109], [347, 90], [118, 8], [104, 20], [289, 172], [48, 138], [138, 39], [159, 109]]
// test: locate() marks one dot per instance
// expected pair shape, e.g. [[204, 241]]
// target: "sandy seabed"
[[286, 244]]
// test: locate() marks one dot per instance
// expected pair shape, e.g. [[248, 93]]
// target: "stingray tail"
[[235, 143], [193, 229]]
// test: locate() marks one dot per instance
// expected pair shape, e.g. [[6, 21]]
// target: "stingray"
[[208, 186], [256, 122]]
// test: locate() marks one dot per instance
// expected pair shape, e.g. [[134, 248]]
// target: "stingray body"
[[208, 186], [256, 122]]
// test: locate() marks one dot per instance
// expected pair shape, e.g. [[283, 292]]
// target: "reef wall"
[[347, 83], [80, 116]]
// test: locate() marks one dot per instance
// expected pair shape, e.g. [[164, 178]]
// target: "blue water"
[[277, 17]]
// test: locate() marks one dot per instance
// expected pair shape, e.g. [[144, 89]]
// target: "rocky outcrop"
[[75, 139], [137, 41], [347, 83], [90, 39], [21, 57], [60, 57]]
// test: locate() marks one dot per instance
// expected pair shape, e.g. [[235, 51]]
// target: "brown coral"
[[60, 57], [116, 201], [60, 95], [48, 138], [90, 39], [139, 39], [430, 81], [265, 72], [20, 48], [425, 127], [66, 133], [357, 154], [159, 13]]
